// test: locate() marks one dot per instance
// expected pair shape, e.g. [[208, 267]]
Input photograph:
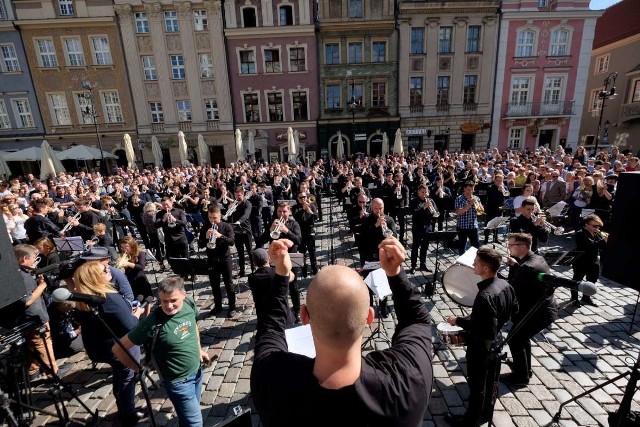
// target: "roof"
[[617, 22]]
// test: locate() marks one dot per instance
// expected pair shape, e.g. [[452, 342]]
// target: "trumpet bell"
[[311, 199]]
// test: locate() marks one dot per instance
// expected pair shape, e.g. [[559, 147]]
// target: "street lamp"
[[353, 104], [604, 95], [90, 110]]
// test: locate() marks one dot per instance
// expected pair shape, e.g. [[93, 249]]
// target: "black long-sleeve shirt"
[[523, 277], [394, 387]]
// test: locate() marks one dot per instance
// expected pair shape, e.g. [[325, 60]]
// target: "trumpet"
[[124, 259], [91, 243], [548, 226], [205, 205], [504, 190], [311, 199], [478, 206], [275, 234], [211, 244], [430, 205], [184, 199], [171, 221], [398, 192], [601, 235], [232, 208], [385, 230], [69, 224]]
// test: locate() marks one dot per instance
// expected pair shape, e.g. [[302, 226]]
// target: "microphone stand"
[[142, 371]]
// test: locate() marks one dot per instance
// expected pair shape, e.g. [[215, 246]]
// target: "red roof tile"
[[617, 22]]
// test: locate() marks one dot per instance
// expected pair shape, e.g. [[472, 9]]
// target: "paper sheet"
[[378, 282], [300, 341]]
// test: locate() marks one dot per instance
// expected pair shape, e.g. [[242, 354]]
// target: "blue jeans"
[[185, 396], [124, 386]]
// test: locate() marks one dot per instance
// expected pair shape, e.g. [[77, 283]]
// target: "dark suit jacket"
[[556, 193], [294, 234], [523, 276], [223, 243], [39, 226], [521, 224]]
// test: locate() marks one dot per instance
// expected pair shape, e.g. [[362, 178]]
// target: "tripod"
[[378, 333]]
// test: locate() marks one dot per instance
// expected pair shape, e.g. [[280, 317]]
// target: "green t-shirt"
[[177, 348]]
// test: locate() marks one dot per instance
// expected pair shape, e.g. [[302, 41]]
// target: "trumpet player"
[[396, 203], [466, 206], [218, 237], [590, 241], [173, 222], [83, 226], [497, 193], [132, 261], [239, 216], [257, 202], [38, 224], [306, 214], [423, 214], [530, 224]]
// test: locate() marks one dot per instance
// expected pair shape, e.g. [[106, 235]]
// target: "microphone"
[[587, 288], [144, 301], [63, 294], [46, 269]]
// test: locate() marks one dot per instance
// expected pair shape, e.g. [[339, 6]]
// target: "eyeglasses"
[[302, 197]]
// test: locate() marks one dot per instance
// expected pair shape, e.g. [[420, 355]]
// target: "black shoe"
[[215, 310], [514, 380], [132, 419], [573, 302], [425, 268], [585, 300], [232, 313], [384, 311]]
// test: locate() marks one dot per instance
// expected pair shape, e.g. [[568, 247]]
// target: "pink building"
[[541, 73]]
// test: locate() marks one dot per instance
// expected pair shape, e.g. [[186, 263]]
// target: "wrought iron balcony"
[[538, 109], [630, 112], [416, 108]]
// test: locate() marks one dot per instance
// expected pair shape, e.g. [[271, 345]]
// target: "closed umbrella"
[[182, 149], [385, 144], [49, 162], [251, 145], [203, 150], [291, 145], [340, 147], [239, 144], [156, 150], [128, 150], [4, 168], [296, 141], [397, 144]]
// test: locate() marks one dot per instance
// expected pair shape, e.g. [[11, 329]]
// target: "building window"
[[74, 52], [524, 43], [111, 103], [542, 3], [551, 95], [473, 38], [211, 109], [300, 108], [335, 9], [184, 111], [251, 108], [415, 91], [332, 96], [247, 62], [378, 94], [379, 52], [101, 51], [445, 42], [4, 116], [46, 53], [177, 67], [469, 90], [157, 115], [559, 43], [3, 12], [272, 61], [595, 101], [332, 53], [206, 65], [355, 53], [249, 19], [515, 137], [200, 21], [274, 103], [602, 64], [356, 94], [171, 22], [22, 112], [286, 15], [66, 7], [520, 105], [417, 40], [83, 109], [59, 109], [149, 67], [297, 59], [355, 8], [10, 62], [142, 22], [635, 93], [442, 90]]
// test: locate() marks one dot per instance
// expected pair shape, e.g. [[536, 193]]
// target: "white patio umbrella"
[[84, 152], [385, 144], [291, 145], [31, 154], [4, 168], [156, 150], [239, 152], [128, 150], [251, 144], [340, 147], [397, 143], [296, 142], [49, 162], [203, 150], [182, 149]]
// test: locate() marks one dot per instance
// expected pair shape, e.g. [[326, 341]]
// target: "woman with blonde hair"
[[132, 261], [93, 278]]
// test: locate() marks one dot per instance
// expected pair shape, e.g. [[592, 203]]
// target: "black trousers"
[[398, 215], [308, 244], [481, 377], [419, 245], [294, 293], [591, 271], [487, 232], [177, 248], [244, 241], [221, 267], [467, 233], [520, 344]]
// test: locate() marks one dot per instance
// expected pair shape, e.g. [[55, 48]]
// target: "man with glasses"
[[590, 241], [523, 277]]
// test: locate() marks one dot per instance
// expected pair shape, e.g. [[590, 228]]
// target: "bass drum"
[[461, 284]]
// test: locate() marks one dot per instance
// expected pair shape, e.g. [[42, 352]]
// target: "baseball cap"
[[260, 256]]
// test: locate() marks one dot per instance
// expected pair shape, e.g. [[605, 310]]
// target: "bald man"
[[391, 387]]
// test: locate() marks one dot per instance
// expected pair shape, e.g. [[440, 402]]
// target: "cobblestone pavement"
[[584, 347]]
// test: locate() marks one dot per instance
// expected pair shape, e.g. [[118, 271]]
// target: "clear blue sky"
[[602, 4]]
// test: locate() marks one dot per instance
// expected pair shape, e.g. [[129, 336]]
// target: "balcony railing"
[[185, 126], [157, 127], [469, 106], [213, 125], [416, 108], [442, 107], [536, 109], [630, 112]]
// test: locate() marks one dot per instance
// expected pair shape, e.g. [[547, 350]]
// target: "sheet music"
[[378, 282], [300, 341], [468, 257], [150, 256], [69, 244]]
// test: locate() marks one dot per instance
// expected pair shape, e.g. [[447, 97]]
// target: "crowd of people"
[[182, 213]]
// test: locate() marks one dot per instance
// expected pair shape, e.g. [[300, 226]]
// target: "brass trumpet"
[[70, 222], [601, 235], [548, 226], [124, 259], [311, 199], [478, 206], [211, 244], [232, 208], [275, 234]]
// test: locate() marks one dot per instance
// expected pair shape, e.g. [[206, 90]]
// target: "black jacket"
[[522, 224], [223, 243], [523, 277], [39, 226]]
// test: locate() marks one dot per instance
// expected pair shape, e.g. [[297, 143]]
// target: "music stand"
[[69, 244], [564, 259], [378, 283], [437, 237], [447, 204], [115, 222]]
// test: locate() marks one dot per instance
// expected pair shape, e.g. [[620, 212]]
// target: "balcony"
[[469, 106], [213, 125], [629, 112], [538, 109], [442, 107], [157, 127], [185, 126], [416, 108]]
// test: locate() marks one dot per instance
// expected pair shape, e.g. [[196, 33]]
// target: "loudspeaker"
[[13, 288], [621, 255]]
